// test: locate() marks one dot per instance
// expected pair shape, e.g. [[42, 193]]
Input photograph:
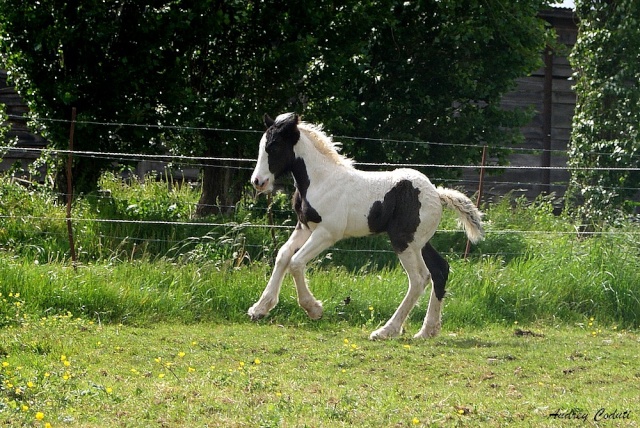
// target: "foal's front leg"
[[319, 241], [270, 294]]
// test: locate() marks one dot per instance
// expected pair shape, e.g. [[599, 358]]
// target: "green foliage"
[[433, 71], [31, 221], [427, 71], [110, 60], [153, 197], [140, 218], [4, 128], [605, 127], [559, 278]]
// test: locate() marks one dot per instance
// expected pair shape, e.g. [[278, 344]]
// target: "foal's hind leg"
[[432, 321], [269, 297], [418, 274], [439, 269]]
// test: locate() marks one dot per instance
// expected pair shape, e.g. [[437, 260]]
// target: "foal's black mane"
[[289, 126]]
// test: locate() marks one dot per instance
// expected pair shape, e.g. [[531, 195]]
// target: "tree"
[[607, 118], [205, 64], [256, 63], [418, 70], [434, 72], [107, 59]]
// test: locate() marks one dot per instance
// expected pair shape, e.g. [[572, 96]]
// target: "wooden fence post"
[[70, 189]]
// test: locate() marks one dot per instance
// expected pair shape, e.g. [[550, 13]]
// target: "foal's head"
[[276, 154]]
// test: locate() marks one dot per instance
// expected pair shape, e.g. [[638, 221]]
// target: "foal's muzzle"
[[262, 185]]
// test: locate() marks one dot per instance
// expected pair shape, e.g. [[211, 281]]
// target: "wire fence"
[[235, 241], [199, 161], [233, 224], [170, 162], [523, 150]]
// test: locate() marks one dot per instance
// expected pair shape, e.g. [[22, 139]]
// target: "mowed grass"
[[66, 371]]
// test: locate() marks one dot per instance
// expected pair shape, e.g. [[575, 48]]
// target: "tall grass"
[[135, 273], [123, 221], [565, 280], [599, 282]]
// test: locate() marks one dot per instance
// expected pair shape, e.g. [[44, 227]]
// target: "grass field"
[[540, 324], [150, 344], [68, 371]]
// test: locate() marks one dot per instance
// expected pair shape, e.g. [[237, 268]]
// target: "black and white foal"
[[333, 200]]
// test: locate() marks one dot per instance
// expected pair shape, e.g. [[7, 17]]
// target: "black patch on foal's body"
[[398, 215], [305, 212], [438, 267]]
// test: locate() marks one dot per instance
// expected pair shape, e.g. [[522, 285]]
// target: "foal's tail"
[[468, 215]]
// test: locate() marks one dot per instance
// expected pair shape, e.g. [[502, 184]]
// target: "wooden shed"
[[16, 108], [549, 90]]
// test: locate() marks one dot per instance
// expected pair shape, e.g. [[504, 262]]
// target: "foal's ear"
[[268, 121]]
